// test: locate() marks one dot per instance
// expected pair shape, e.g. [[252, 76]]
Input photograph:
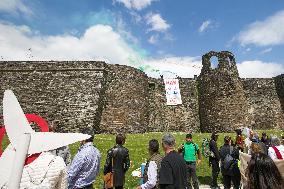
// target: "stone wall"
[[115, 98], [126, 101], [264, 105], [66, 94], [222, 102], [183, 117]]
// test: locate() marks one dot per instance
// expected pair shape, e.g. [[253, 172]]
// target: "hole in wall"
[[214, 62]]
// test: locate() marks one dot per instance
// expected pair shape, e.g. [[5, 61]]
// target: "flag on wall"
[[172, 91]]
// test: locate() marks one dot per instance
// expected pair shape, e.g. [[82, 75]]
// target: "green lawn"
[[137, 145]]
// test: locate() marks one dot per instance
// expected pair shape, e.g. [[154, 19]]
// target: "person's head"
[[227, 140], [255, 148], [275, 141], [188, 137], [153, 146], [264, 136], [262, 173], [88, 131], [120, 139], [251, 134], [168, 142], [214, 136], [238, 131]]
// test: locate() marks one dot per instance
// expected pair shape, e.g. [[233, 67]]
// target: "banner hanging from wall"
[[172, 92]]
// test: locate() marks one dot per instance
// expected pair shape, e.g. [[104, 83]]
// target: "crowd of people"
[[173, 169]]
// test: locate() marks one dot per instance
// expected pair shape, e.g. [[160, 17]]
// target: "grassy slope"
[[137, 145]]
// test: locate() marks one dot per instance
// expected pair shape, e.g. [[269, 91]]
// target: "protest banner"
[[172, 92]]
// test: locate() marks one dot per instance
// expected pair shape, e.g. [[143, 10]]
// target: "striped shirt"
[[85, 167]]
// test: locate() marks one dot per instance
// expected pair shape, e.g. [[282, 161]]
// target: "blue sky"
[[157, 36]]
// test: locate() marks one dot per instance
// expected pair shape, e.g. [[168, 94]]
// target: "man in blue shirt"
[[85, 166]]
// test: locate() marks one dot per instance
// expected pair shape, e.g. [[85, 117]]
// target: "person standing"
[[85, 166], [152, 168], [214, 159], [229, 167], [173, 173], [118, 162], [189, 151]]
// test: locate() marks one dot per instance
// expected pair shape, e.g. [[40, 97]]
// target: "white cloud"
[[206, 25], [185, 67], [259, 69], [266, 50], [157, 23], [99, 42], [153, 39], [14, 6], [135, 4], [264, 33]]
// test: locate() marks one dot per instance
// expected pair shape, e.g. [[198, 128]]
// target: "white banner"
[[172, 92]]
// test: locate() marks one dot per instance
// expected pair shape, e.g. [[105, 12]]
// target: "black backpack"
[[229, 160]]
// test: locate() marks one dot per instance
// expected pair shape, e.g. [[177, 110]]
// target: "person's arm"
[[198, 154], [68, 156], [62, 181], [107, 167], [215, 150], [127, 161], [75, 167], [152, 176]]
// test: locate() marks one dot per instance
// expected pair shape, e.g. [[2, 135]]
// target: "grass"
[[137, 146]]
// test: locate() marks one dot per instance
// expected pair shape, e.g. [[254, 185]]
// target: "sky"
[[159, 37]]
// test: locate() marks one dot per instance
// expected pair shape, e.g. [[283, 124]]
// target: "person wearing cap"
[[232, 172], [118, 162], [189, 150], [85, 166], [173, 172], [214, 159]]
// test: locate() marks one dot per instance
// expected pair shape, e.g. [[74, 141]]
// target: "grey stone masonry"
[[222, 102], [108, 98]]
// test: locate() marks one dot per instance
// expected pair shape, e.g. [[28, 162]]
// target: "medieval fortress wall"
[[116, 98]]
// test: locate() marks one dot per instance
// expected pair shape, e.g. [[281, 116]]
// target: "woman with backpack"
[[229, 164]]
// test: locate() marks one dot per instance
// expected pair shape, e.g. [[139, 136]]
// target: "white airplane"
[[16, 126]]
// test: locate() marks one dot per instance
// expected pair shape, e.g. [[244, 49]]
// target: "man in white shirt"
[[152, 168], [276, 151]]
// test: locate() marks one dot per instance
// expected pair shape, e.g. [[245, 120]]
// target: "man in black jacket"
[[173, 172], [214, 159], [230, 169], [118, 162]]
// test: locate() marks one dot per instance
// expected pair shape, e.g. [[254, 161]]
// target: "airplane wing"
[[15, 120], [45, 141]]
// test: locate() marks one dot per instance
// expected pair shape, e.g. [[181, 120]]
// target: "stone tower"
[[222, 101]]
